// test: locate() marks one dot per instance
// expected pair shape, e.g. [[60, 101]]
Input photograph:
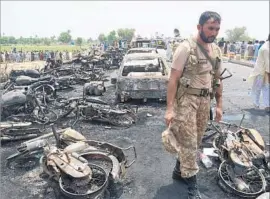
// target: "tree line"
[[64, 38], [235, 34], [120, 34]]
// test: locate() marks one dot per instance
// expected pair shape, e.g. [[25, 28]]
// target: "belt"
[[199, 92]]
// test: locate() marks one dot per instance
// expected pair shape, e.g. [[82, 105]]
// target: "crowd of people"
[[25, 56], [248, 50]]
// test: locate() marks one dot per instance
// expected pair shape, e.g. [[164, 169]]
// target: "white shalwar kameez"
[[259, 77], [168, 51]]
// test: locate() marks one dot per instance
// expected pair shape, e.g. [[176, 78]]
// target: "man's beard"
[[207, 39]]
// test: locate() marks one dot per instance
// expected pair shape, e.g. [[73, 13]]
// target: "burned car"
[[142, 50], [142, 76], [140, 43]]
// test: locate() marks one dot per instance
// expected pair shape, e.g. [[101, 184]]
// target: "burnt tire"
[[95, 189], [227, 184], [124, 120]]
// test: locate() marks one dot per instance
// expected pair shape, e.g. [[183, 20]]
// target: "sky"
[[90, 18]]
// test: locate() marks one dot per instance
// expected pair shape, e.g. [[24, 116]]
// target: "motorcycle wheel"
[[95, 189], [255, 187], [46, 92]]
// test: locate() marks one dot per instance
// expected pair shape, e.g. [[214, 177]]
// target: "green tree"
[[79, 41], [47, 41], [126, 33], [52, 38], [4, 40], [20, 40], [65, 37], [237, 34], [90, 40], [112, 36], [102, 37], [12, 40]]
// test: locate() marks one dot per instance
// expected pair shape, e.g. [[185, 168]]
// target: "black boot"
[[193, 191], [176, 171]]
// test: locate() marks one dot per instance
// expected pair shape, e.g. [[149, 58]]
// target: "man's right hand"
[[169, 116]]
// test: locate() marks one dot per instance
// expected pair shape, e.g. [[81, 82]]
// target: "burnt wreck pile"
[[33, 96], [31, 103]]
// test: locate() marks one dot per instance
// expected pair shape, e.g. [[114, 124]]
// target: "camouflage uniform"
[[192, 114], [192, 104]]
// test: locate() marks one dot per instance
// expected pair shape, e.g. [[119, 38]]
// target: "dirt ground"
[[150, 176]]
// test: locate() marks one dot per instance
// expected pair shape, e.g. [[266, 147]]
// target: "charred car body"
[[158, 44], [142, 76], [140, 43], [142, 50]]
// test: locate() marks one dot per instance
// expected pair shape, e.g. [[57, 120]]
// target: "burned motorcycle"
[[244, 170], [94, 88], [115, 58], [51, 63], [65, 82], [23, 105], [13, 131], [44, 90], [25, 80], [80, 166], [93, 110], [100, 62], [44, 84], [77, 178], [27, 72], [61, 71]]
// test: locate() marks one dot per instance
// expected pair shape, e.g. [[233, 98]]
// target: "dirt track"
[[150, 176]]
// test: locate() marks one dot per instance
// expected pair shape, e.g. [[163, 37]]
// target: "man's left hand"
[[218, 114]]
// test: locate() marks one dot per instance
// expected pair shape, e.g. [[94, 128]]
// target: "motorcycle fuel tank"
[[24, 80], [13, 98]]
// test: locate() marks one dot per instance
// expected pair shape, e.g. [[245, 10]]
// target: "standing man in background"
[[176, 40], [168, 50], [243, 48], [256, 50], [221, 44], [260, 78]]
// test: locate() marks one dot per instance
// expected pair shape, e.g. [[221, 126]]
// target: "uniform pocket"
[[192, 60]]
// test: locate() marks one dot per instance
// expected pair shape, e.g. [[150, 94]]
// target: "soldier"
[[194, 81]]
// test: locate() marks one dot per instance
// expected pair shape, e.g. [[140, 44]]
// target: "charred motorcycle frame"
[[75, 163], [245, 167]]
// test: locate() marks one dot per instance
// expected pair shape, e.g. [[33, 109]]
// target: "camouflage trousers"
[[188, 127]]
